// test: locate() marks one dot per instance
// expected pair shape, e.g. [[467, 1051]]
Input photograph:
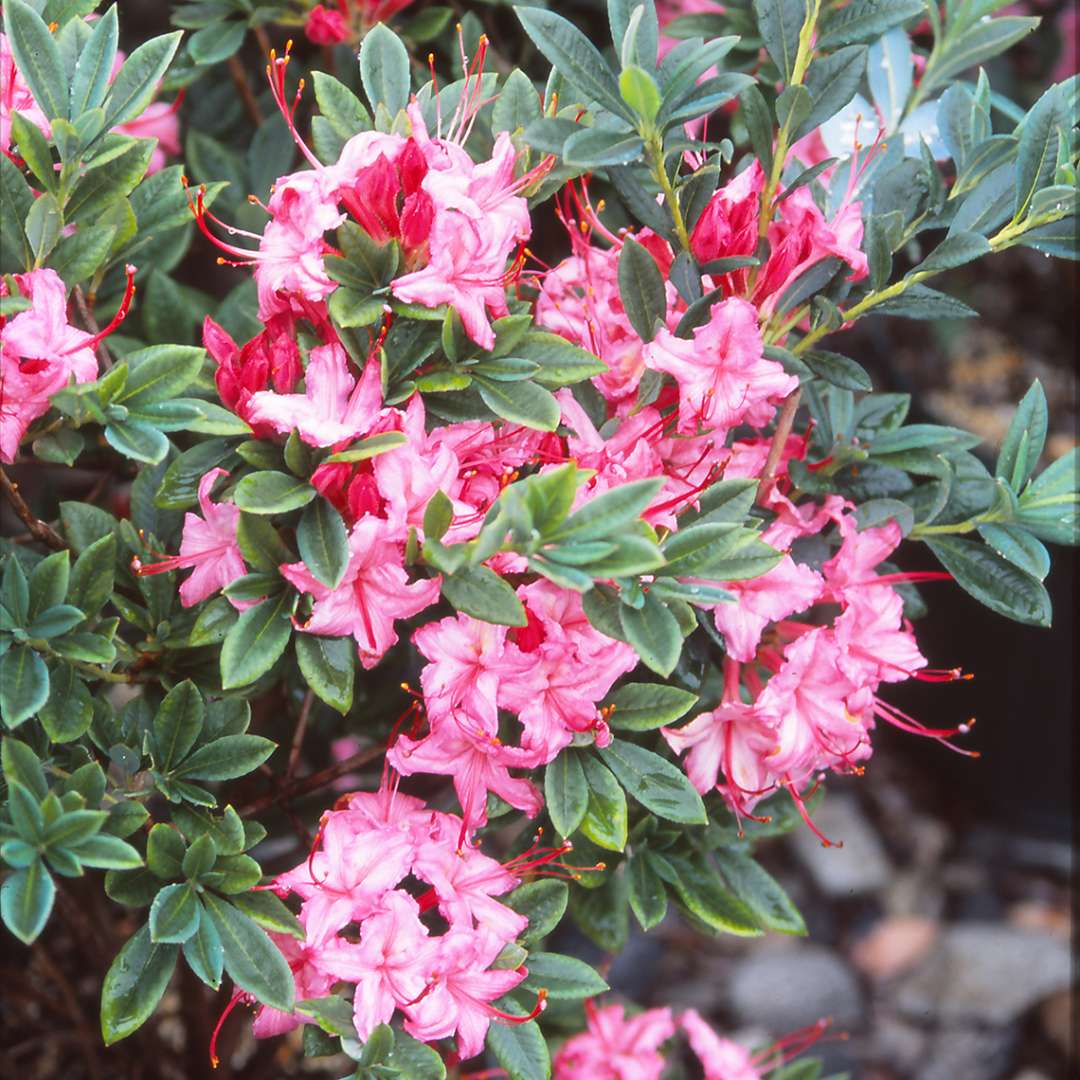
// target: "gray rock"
[[986, 972], [788, 988], [859, 867], [968, 1053]]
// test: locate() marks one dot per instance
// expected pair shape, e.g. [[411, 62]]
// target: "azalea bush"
[[439, 510]]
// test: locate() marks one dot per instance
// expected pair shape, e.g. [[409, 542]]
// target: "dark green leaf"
[[566, 792], [36, 57], [24, 684], [605, 819], [641, 288], [227, 758], [542, 903], [26, 900], [384, 69], [328, 665], [174, 914], [645, 706], [564, 977], [272, 493], [253, 645], [654, 633], [480, 592], [323, 541], [136, 82], [134, 984], [657, 784], [203, 951]]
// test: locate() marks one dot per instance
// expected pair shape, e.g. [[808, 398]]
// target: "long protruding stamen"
[[800, 805], [215, 1061], [275, 74], [538, 1008], [117, 319]]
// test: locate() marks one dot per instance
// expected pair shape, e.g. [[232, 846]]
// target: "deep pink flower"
[[325, 26], [721, 1059], [374, 592]]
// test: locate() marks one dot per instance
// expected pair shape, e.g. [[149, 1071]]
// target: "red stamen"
[[117, 319], [215, 1061]]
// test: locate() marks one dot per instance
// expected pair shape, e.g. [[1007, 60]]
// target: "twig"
[[298, 735], [247, 95], [41, 531], [307, 784], [90, 323], [776, 450]]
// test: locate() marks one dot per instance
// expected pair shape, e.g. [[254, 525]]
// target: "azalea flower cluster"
[[365, 927], [615, 1046]]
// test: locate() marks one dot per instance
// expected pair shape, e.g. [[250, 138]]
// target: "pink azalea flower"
[[347, 878], [334, 407], [721, 1059], [471, 753], [465, 881], [733, 739], [460, 991], [208, 545], [41, 352], [786, 589], [388, 965], [159, 120], [852, 567], [724, 379], [325, 26], [374, 592], [616, 1048], [728, 226]]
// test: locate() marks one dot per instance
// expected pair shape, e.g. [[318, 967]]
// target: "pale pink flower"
[[41, 352], [347, 877], [614, 1047], [374, 592], [786, 589], [461, 989], [334, 408], [159, 120], [388, 965], [724, 379]]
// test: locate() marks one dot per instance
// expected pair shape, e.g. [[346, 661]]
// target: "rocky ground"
[[940, 955]]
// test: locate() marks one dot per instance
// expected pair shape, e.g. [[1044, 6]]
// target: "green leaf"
[[922, 302], [215, 43], [328, 665], [832, 82], [341, 107], [993, 581], [136, 82], [57, 620], [517, 105], [654, 633], [333, 1014], [779, 22], [1019, 547], [641, 288], [92, 576], [657, 784], [520, 1049], [178, 724], [134, 984], [159, 373], [67, 714], [975, 46], [575, 57], [564, 977], [36, 57], [605, 820], [414, 1059], [480, 592], [252, 960], [48, 583], [227, 758], [596, 147], [701, 892], [760, 892], [543, 903], [91, 80], [323, 541], [645, 706], [607, 514], [165, 850], [438, 515], [866, 21], [24, 684], [43, 225], [253, 645], [648, 897], [566, 792], [272, 493], [203, 951], [26, 900], [174, 914], [384, 69], [22, 766], [261, 544], [640, 92], [838, 370], [107, 853], [956, 249], [270, 913], [1019, 456], [138, 441], [520, 402]]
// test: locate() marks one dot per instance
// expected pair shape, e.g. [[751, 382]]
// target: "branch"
[[40, 531], [311, 783], [90, 324], [780, 437], [247, 95]]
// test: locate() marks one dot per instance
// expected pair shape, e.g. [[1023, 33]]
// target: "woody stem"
[[40, 530]]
